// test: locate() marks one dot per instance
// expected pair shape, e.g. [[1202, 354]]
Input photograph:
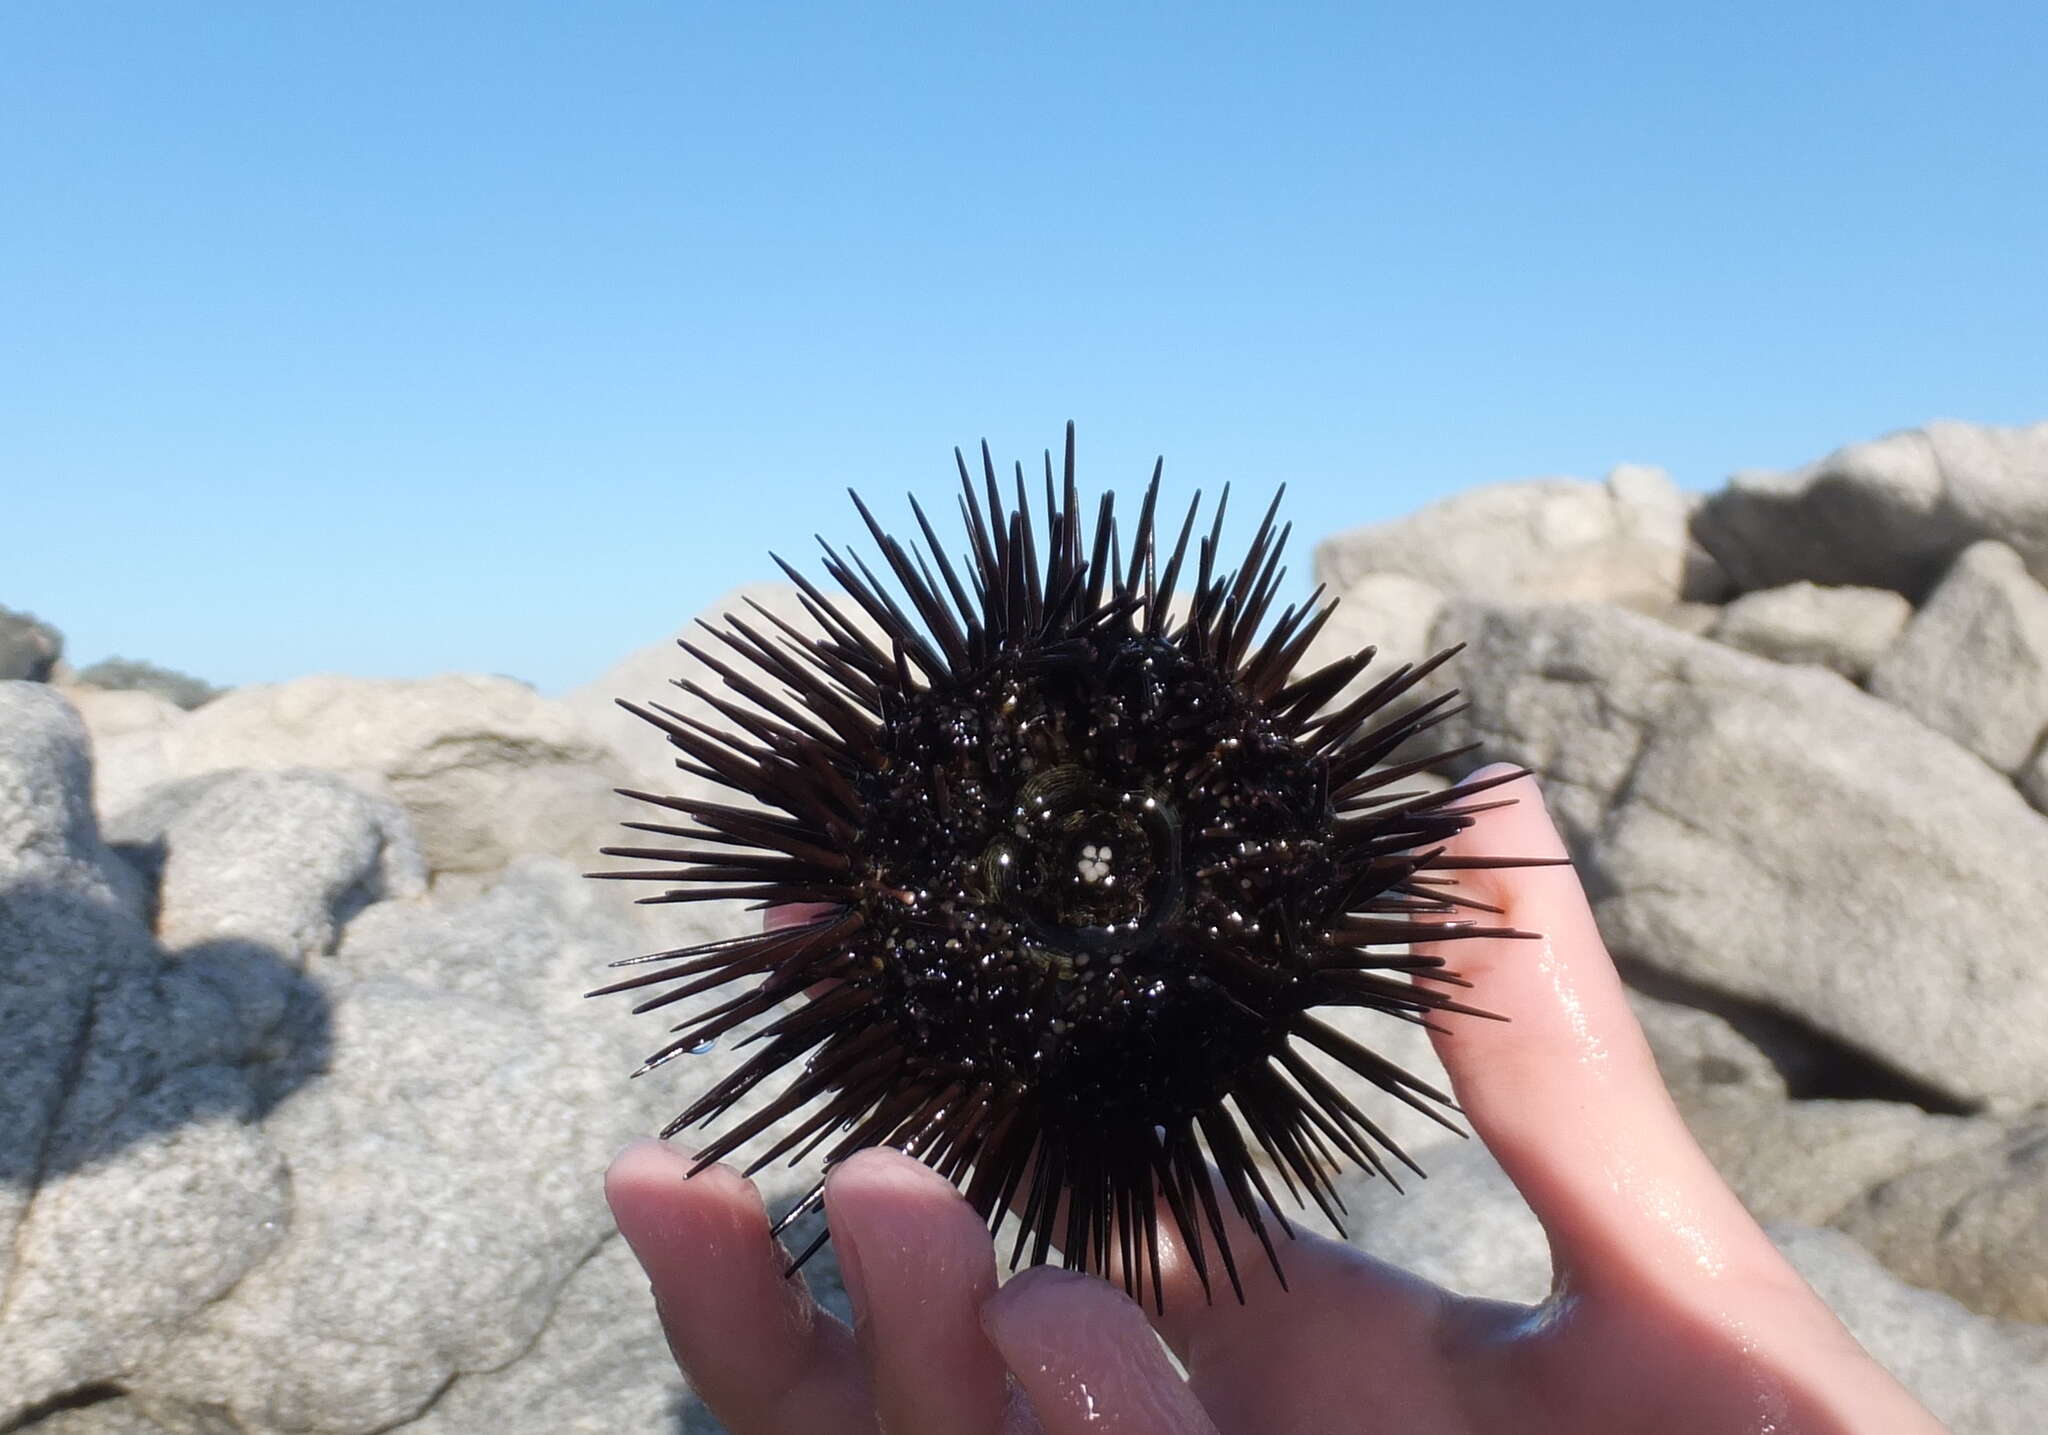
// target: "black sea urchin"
[[1083, 870]]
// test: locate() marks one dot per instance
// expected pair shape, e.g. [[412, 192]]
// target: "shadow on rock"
[[112, 1043]]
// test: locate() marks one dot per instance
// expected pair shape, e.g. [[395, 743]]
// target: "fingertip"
[[883, 1168], [1084, 1354], [1041, 1301]]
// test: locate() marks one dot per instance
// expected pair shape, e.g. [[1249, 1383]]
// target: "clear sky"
[[395, 338]]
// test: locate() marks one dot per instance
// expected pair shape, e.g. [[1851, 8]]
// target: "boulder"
[[1700, 1055], [1389, 612], [651, 674], [135, 1187], [49, 835], [1810, 1161], [111, 713], [1978, 1375], [600, 1366], [1698, 619], [1846, 629], [1622, 541], [1974, 1224], [2034, 780], [1973, 663], [30, 649], [1890, 513], [1774, 833], [485, 768], [446, 1170], [277, 858], [114, 1415], [444, 1186]]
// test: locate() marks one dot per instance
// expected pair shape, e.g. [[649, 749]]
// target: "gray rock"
[[1699, 1053], [277, 858], [29, 648], [1491, 1247], [1973, 663], [134, 1187], [133, 675], [1979, 1376], [115, 1415], [2034, 780], [486, 768], [1773, 833], [111, 713], [1389, 612], [651, 674], [1810, 1161], [1698, 619], [1623, 541], [1890, 513], [48, 834], [1815, 1163], [599, 1366], [446, 1168], [1974, 1224], [445, 1183], [1846, 629]]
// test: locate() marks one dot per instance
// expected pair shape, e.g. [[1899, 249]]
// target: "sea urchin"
[[1079, 870]]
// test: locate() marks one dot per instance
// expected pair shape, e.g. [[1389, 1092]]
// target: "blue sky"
[[396, 338]]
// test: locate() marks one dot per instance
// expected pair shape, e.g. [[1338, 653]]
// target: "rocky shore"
[[303, 1113]]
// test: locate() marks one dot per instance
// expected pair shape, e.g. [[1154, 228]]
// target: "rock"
[[1973, 1224], [1846, 629], [1973, 663], [277, 858], [600, 1366], [1622, 541], [1389, 612], [114, 1415], [1466, 1228], [48, 834], [134, 1187], [111, 713], [1890, 513], [1698, 619], [1979, 1376], [1699, 1053], [1809, 1161], [2034, 781], [131, 675], [446, 1170], [444, 1185], [1773, 833], [29, 648], [650, 675], [486, 768]]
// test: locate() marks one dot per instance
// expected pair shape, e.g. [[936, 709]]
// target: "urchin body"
[[1085, 872]]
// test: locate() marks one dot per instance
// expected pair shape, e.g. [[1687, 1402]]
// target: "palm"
[[1671, 1312]]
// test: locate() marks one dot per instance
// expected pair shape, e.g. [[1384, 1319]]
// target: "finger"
[[918, 1264], [1088, 1361], [1565, 1091], [753, 1343]]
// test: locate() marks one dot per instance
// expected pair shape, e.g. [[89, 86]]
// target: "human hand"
[[1669, 1310]]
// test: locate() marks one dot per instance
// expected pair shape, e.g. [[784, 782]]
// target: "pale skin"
[[1669, 1312]]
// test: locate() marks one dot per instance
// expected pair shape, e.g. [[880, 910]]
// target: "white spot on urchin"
[[1094, 863]]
